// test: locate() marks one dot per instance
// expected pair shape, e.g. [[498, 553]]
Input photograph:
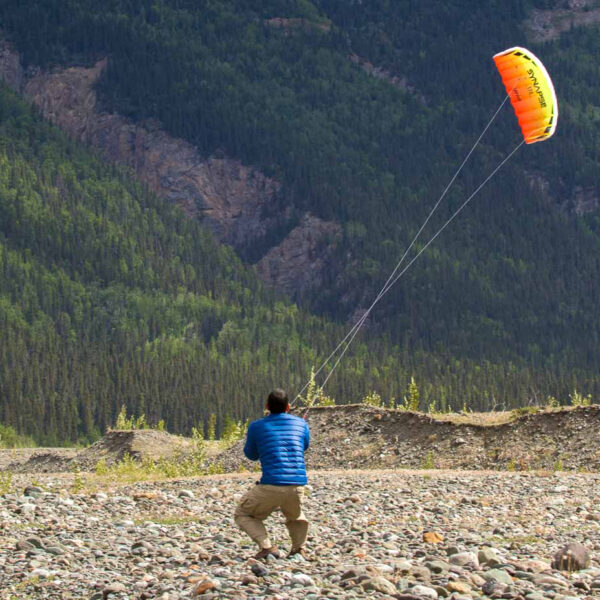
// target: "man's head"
[[278, 402]]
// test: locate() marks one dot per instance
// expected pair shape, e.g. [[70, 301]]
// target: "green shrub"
[[578, 399], [373, 399], [5, 482], [413, 398], [130, 422], [428, 461], [314, 394], [211, 427], [9, 438]]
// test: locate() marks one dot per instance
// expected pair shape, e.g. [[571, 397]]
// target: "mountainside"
[[314, 137], [109, 296], [283, 86]]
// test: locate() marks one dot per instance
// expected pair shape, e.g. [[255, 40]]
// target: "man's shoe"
[[298, 551], [273, 551]]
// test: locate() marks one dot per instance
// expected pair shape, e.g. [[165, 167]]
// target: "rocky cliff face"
[[287, 265], [581, 201], [11, 71], [232, 198], [236, 201]]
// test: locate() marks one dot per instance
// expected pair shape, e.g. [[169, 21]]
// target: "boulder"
[[572, 557]]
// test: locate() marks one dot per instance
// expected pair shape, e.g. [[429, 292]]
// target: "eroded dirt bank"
[[359, 436]]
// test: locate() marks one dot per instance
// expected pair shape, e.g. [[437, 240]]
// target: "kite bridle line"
[[395, 276]]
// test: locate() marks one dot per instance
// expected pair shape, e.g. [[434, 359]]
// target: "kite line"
[[396, 275]]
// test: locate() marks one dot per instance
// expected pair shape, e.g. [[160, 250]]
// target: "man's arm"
[[306, 437], [251, 447]]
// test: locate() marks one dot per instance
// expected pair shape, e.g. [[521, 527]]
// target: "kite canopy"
[[531, 92]]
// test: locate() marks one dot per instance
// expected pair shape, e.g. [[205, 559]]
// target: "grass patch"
[[428, 461], [167, 520], [495, 418], [517, 540], [5, 483]]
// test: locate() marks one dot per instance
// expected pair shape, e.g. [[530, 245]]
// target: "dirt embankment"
[[364, 437], [358, 436], [113, 447]]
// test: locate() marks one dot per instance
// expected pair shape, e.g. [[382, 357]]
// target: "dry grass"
[[495, 418]]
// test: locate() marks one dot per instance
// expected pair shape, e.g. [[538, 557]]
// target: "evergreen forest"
[[108, 297]]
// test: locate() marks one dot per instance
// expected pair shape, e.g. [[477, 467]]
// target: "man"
[[279, 440]]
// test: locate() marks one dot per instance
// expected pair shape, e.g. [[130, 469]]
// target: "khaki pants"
[[260, 501]]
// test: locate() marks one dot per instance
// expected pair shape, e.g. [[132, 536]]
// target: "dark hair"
[[277, 402]]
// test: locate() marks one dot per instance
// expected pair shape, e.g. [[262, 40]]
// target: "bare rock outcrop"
[[380, 73], [582, 200], [11, 70], [547, 24], [231, 197], [289, 25], [236, 201], [298, 263], [586, 200]]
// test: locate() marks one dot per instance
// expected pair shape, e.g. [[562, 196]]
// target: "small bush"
[[125, 422], [78, 483], [9, 438], [234, 430], [428, 461], [314, 394], [413, 398], [578, 399], [373, 399], [101, 467], [5, 482]]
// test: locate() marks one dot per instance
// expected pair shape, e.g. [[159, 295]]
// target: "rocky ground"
[[376, 534]]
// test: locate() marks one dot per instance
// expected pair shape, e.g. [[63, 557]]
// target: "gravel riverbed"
[[490, 535]]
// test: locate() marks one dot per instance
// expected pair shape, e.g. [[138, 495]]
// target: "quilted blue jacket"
[[279, 441]]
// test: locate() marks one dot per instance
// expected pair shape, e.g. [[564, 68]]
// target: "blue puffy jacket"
[[279, 441]]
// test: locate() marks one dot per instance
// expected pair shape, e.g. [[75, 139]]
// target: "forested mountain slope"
[[111, 297], [504, 304]]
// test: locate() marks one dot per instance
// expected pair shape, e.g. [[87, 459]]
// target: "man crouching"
[[279, 440]]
